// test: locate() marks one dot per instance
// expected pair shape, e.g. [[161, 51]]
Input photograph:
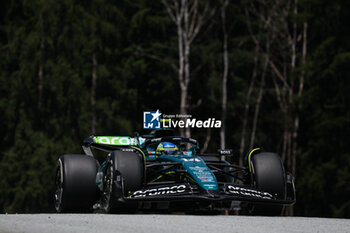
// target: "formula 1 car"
[[139, 175]]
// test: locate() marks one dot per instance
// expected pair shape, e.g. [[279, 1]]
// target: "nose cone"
[[213, 193]]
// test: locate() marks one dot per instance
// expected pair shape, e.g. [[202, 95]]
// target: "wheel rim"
[[251, 207], [58, 189], [108, 188]]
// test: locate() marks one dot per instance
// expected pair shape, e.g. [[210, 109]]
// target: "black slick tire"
[[268, 175], [75, 183], [125, 168]]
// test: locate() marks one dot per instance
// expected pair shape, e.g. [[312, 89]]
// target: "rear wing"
[[109, 143], [115, 140]]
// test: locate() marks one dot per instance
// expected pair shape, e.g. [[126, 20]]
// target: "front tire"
[[124, 173], [75, 183], [267, 172]]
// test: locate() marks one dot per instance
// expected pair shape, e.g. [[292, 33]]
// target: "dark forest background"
[[276, 72]]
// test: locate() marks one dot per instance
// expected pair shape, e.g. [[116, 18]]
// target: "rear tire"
[[76, 189], [268, 175], [129, 167]]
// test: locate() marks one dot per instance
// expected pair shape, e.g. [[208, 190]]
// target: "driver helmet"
[[167, 148]]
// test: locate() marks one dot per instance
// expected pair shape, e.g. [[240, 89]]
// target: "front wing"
[[188, 192]]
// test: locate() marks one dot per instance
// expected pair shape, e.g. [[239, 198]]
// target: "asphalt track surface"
[[89, 223]]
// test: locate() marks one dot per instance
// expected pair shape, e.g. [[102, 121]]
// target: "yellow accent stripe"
[[188, 176], [166, 148], [156, 178], [170, 172], [144, 156], [250, 153]]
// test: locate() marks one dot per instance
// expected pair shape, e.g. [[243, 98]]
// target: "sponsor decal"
[[151, 120], [124, 141], [156, 140], [191, 160], [142, 140], [203, 173], [175, 189], [187, 152], [225, 152], [128, 150], [248, 192], [207, 179], [210, 186]]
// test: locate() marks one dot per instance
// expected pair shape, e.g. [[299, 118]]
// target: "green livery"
[[115, 140], [161, 169]]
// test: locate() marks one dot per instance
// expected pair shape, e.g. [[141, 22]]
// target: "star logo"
[[155, 115], [151, 120]]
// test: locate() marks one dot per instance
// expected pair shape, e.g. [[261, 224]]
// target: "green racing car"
[[161, 171]]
